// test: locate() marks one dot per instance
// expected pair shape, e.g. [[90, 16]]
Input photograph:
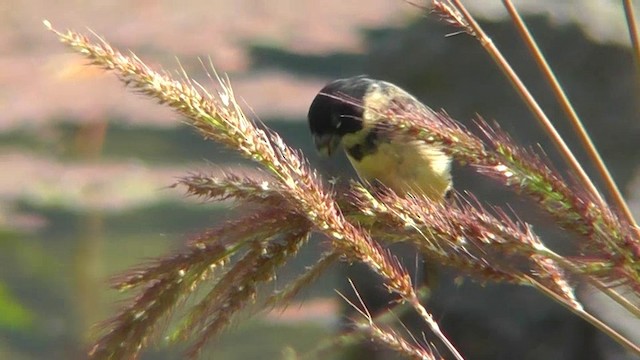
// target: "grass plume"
[[220, 118]]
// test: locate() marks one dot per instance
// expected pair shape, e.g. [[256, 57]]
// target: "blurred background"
[[85, 164]]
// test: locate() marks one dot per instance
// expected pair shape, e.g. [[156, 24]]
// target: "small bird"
[[349, 113]]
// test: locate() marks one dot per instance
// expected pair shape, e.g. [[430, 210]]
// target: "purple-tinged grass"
[[237, 287], [220, 118]]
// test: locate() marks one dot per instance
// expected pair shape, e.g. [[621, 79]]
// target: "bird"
[[349, 114]]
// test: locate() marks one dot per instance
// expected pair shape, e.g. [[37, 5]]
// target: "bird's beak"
[[326, 144]]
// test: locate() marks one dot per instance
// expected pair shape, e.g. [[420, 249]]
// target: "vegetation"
[[290, 201]]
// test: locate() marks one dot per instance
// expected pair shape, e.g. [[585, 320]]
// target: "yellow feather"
[[407, 167], [403, 165]]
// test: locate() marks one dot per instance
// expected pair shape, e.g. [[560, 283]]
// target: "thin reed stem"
[[632, 25], [486, 42], [570, 112]]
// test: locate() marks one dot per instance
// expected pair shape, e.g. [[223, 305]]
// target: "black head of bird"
[[336, 111]]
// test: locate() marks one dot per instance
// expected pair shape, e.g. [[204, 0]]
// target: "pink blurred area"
[[44, 84], [41, 79]]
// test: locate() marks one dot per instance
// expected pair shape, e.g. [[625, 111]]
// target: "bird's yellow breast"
[[407, 167]]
